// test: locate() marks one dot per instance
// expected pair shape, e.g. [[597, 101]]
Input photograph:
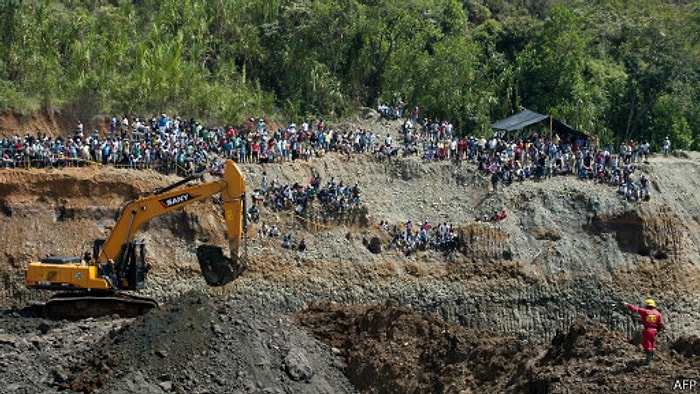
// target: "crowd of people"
[[333, 196], [166, 144], [288, 242], [409, 237], [496, 216], [171, 144], [184, 145], [505, 158]]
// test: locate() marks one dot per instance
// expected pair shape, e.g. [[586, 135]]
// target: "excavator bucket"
[[218, 269]]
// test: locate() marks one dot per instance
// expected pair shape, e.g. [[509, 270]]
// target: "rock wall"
[[533, 312]]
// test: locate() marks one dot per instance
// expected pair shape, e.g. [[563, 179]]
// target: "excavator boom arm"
[[139, 211]]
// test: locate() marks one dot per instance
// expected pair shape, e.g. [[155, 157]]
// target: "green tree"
[[657, 64], [550, 75], [616, 68]]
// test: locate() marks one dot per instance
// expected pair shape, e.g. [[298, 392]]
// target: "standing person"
[[399, 109], [124, 124], [494, 180], [653, 322], [263, 184], [666, 146], [261, 126], [644, 150], [162, 123], [79, 130]]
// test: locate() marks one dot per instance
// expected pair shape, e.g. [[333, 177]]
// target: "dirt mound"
[[198, 344], [235, 344], [394, 350], [584, 340], [687, 346], [389, 349], [590, 358]]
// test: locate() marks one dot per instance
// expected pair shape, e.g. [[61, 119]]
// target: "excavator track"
[[73, 306]]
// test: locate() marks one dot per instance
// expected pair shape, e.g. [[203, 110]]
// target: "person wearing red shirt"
[[653, 322], [256, 151]]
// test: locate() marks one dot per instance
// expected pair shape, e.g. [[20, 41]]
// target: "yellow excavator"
[[95, 284]]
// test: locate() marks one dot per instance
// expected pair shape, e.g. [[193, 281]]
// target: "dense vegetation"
[[617, 68]]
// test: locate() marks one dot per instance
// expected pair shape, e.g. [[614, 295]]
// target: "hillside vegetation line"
[[619, 70]]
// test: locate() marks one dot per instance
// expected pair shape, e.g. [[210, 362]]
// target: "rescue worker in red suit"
[[653, 322]]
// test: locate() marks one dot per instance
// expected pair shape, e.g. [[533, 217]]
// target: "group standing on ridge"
[[185, 146]]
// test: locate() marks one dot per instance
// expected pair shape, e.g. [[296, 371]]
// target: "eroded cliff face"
[[568, 247], [572, 248]]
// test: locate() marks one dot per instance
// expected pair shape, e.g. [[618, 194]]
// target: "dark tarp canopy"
[[519, 121], [526, 118]]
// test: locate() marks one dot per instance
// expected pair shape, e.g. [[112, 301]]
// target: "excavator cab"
[[130, 268]]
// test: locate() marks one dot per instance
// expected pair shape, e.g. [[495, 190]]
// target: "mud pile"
[[393, 350], [389, 349], [590, 358], [199, 344]]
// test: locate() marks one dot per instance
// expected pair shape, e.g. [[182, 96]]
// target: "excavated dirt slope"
[[530, 304]]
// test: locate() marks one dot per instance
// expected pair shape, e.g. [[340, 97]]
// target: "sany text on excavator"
[[94, 286]]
